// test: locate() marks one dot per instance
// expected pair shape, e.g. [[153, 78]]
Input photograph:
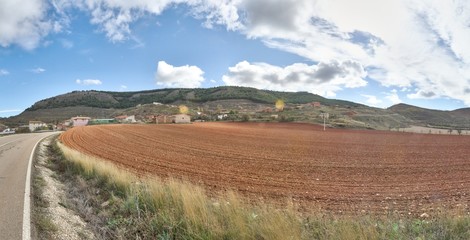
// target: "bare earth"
[[335, 170]]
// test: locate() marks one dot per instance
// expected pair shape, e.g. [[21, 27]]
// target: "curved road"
[[15, 153]]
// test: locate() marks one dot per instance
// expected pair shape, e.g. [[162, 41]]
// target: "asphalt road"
[[15, 152]]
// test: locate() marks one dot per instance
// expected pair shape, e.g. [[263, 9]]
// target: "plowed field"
[[336, 170]]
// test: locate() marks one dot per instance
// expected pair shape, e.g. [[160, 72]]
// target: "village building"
[[316, 104], [36, 125], [182, 118], [267, 110], [126, 119], [61, 127], [102, 121], [80, 121], [130, 119], [222, 116], [162, 119]]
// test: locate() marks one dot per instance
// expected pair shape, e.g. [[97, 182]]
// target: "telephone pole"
[[324, 116]]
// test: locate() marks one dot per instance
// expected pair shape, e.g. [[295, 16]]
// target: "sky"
[[378, 53]]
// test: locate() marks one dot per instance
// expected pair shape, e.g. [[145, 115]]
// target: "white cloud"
[[138, 43], [323, 79], [422, 94], [38, 70], [218, 12], [412, 44], [404, 43], [89, 82], [393, 97], [67, 44], [115, 16], [123, 87], [25, 23], [178, 77], [4, 72], [372, 100]]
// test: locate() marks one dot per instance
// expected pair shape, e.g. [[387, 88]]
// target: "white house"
[[126, 119], [222, 116], [182, 118], [36, 125], [130, 119], [80, 121]]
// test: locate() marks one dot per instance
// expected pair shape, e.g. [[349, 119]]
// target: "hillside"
[[104, 104], [239, 100], [122, 100], [459, 118]]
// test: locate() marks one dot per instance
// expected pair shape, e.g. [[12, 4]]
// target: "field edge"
[[171, 209]]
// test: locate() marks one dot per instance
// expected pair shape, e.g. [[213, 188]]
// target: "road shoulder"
[[51, 216]]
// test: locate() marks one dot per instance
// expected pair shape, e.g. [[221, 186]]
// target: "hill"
[[105, 104], [122, 100], [258, 104], [459, 118]]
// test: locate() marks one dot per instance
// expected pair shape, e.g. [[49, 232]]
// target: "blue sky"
[[379, 54]]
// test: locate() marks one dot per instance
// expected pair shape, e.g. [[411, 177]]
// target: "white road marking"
[[8, 143], [27, 197]]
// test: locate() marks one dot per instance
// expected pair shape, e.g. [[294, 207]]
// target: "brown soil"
[[335, 170]]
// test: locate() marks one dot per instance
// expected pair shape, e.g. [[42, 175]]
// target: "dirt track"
[[336, 170]]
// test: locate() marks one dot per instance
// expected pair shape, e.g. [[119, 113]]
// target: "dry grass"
[[173, 209], [177, 208]]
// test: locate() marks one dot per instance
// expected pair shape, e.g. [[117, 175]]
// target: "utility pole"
[[324, 116]]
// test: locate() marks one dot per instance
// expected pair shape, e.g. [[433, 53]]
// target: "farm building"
[[36, 125], [125, 119], [130, 119], [158, 119], [316, 104], [182, 118], [80, 121], [101, 121]]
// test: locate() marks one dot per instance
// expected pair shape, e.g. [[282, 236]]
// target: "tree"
[[245, 118]]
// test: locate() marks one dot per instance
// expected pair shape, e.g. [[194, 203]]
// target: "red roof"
[[121, 117]]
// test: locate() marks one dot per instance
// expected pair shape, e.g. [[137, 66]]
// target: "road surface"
[[15, 153]]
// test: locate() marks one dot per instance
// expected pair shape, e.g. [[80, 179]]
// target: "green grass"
[[150, 208]]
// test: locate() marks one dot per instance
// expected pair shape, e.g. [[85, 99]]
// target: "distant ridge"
[[121, 100], [459, 118], [106, 104]]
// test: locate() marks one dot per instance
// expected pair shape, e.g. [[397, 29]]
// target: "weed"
[[45, 224]]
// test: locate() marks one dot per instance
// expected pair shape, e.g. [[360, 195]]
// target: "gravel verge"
[[64, 223]]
